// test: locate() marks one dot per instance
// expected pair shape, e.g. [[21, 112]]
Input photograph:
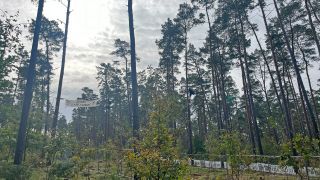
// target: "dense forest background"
[[187, 106]]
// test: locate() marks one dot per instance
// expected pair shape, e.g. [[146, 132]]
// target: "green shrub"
[[10, 171], [157, 154], [62, 170]]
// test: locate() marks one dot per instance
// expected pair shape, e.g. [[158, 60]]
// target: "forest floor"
[[101, 172]]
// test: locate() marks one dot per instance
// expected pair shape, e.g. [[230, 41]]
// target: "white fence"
[[259, 167]]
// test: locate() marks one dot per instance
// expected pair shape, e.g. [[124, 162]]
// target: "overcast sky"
[[94, 24]]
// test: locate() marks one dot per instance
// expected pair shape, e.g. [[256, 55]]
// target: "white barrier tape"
[[259, 167]]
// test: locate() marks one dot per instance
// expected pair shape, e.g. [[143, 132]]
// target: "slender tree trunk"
[[248, 109], [135, 110], [223, 96], [314, 12], [215, 87], [128, 93], [107, 119], [48, 91], [200, 123], [43, 101], [21, 139], [172, 79], [301, 120], [297, 71], [106, 127], [312, 95], [245, 89], [42, 155], [203, 101], [313, 29], [282, 93], [172, 86], [219, 111], [286, 71], [310, 85], [56, 110], [211, 54], [215, 97], [217, 81], [271, 114], [167, 77], [305, 113], [296, 104], [253, 110], [47, 106], [286, 84], [189, 125], [267, 63], [246, 95]]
